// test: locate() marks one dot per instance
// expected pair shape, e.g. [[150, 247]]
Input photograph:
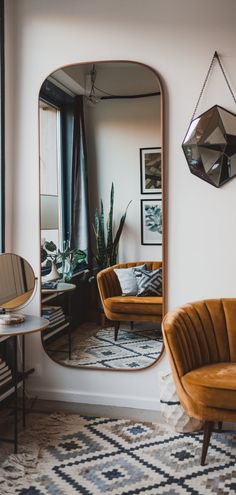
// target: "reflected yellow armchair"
[[200, 340], [119, 308]]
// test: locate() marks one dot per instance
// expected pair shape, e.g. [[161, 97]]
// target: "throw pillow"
[[127, 279], [149, 282]]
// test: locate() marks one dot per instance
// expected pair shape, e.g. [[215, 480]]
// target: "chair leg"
[[208, 427], [131, 325], [117, 326], [102, 320]]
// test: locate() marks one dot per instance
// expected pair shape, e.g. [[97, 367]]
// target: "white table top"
[[61, 287], [31, 324]]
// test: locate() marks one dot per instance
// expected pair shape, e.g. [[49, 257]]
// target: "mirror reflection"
[[17, 281], [101, 209]]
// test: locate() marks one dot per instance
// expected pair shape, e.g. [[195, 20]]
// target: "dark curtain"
[[67, 124], [79, 235]]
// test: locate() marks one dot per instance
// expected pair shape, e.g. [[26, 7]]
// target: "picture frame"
[[150, 170], [151, 222]]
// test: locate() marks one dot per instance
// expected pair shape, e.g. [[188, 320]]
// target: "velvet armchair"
[[200, 340], [119, 308]]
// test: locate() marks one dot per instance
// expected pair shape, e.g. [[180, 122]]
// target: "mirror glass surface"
[[100, 134], [17, 281]]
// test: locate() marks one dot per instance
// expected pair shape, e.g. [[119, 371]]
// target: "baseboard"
[[49, 406], [98, 399]]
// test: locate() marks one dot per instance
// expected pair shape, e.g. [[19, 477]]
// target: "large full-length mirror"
[[101, 191]]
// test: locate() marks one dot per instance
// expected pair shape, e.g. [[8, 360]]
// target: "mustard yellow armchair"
[[200, 340], [119, 308]]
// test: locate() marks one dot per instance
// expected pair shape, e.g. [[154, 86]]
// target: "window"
[[50, 177]]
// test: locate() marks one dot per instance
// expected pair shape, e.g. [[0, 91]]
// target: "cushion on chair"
[[127, 279], [134, 305], [213, 385], [149, 282]]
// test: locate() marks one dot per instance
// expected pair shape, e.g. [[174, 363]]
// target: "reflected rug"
[[62, 454], [135, 348]]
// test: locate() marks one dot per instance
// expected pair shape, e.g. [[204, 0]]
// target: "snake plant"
[[107, 243]]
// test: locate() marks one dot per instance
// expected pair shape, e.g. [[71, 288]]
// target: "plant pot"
[[53, 275]]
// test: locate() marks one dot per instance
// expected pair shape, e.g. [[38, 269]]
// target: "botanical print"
[[151, 220]]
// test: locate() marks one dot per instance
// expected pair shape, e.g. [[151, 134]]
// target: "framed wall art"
[[150, 170], [151, 221]]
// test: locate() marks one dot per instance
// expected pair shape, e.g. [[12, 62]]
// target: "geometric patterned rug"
[[135, 348], [64, 454]]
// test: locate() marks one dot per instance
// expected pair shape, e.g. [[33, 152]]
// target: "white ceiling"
[[115, 78]]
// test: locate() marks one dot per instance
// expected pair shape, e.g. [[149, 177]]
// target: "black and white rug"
[[70, 454], [135, 348]]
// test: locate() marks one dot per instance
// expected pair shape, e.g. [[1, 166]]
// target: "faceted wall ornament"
[[210, 146]]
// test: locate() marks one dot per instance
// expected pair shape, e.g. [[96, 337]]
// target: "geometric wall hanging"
[[210, 146], [210, 142]]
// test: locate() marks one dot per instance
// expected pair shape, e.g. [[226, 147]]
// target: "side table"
[[31, 324], [61, 288]]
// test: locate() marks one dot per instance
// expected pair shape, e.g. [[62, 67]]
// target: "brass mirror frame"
[[164, 206], [23, 286]]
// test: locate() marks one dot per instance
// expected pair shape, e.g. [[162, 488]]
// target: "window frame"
[[57, 109]]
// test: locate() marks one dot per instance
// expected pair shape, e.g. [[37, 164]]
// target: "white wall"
[[116, 129], [177, 39]]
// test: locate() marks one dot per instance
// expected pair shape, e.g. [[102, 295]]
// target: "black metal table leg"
[[15, 379], [29, 325], [23, 380]]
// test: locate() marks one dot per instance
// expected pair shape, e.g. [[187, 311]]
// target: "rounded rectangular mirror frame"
[[164, 200]]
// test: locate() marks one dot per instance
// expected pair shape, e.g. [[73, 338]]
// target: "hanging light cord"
[[217, 58], [92, 95], [93, 79]]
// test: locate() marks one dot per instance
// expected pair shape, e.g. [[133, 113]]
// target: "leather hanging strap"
[[217, 59]]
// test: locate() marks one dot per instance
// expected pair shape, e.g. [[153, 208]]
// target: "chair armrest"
[[108, 284]]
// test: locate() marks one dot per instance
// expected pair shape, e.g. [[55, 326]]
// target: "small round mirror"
[[17, 284]]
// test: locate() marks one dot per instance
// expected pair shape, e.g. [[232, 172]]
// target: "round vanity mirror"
[[17, 284]]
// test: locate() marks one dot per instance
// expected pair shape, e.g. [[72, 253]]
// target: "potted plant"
[[69, 259], [66, 261], [49, 258], [107, 242], [107, 245]]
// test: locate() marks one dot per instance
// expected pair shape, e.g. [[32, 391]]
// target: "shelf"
[[10, 391], [55, 331], [4, 338], [49, 297]]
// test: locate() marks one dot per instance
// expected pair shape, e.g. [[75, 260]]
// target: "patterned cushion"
[[149, 282]]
